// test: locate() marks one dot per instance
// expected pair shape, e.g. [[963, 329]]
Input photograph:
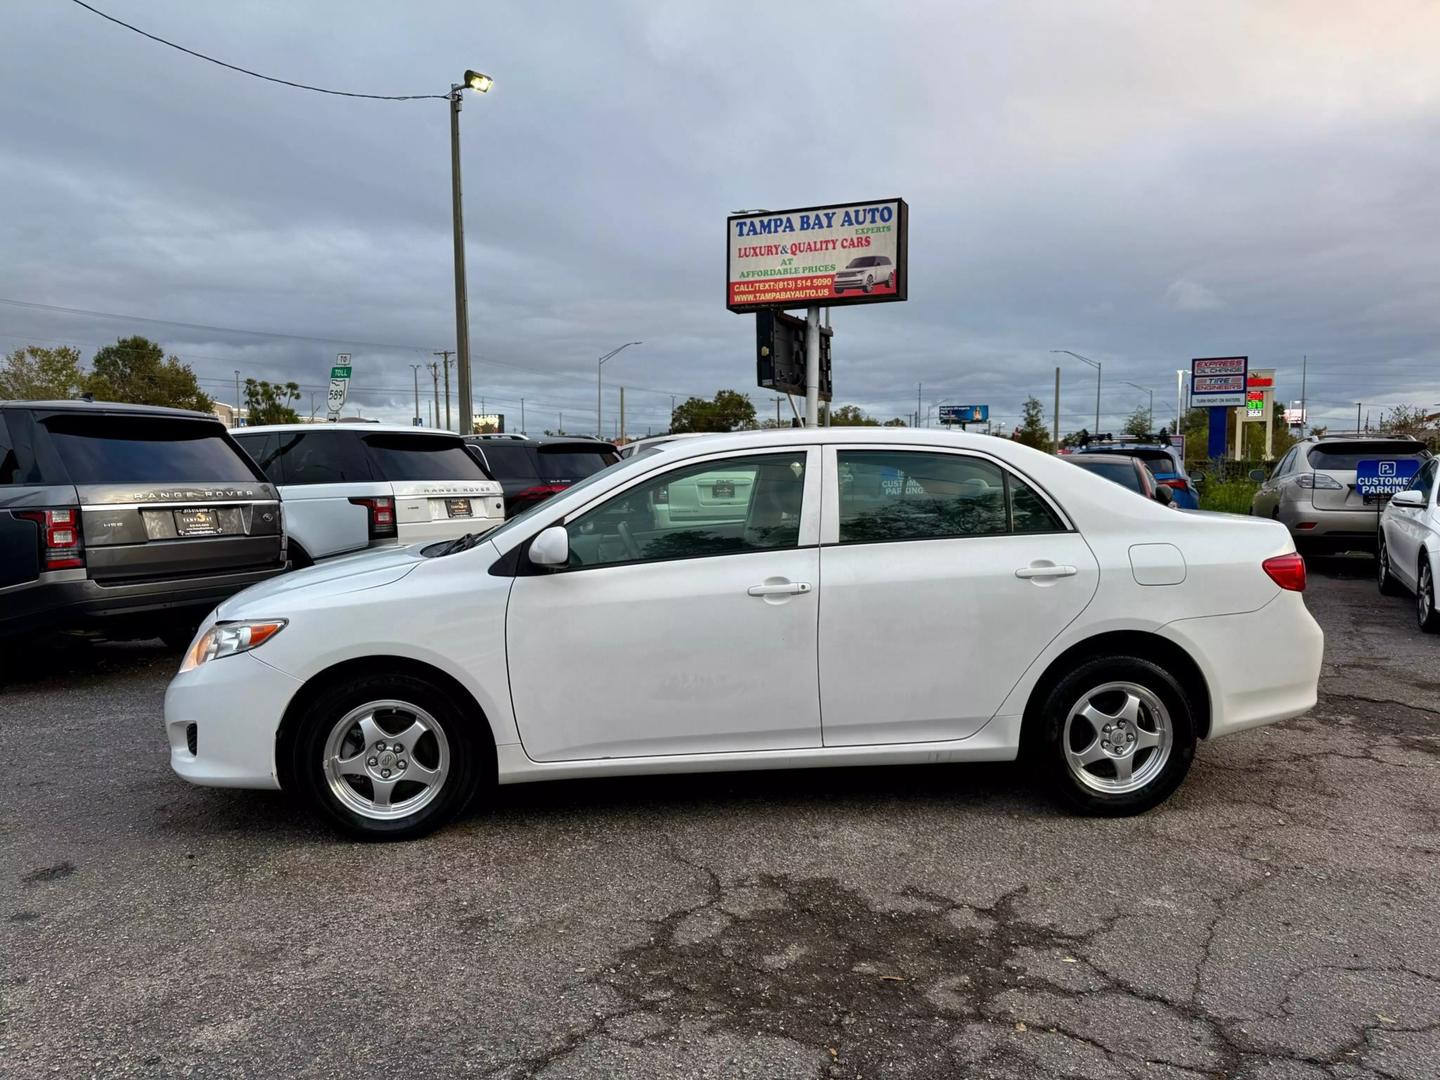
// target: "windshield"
[[623, 463], [145, 450], [1346, 457]]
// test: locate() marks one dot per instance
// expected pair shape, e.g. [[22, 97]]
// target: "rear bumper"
[[424, 532], [235, 704], [1261, 667], [1335, 525], [77, 604]]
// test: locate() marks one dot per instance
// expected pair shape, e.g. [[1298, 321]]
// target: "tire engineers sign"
[[825, 256]]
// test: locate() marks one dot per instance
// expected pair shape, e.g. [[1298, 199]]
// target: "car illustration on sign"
[[864, 273]]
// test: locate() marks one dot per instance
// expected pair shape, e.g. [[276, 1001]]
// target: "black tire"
[[892, 279], [1384, 577], [468, 763], [1046, 742], [1426, 616], [869, 284]]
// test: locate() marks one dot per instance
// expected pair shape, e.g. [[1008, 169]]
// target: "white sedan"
[[887, 596], [1409, 545]]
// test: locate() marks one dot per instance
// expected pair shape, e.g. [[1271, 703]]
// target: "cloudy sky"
[[1139, 182]]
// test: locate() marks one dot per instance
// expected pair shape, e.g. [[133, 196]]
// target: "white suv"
[[344, 488]]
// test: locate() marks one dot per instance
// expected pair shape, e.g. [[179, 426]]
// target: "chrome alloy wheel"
[[386, 759], [1117, 738], [1424, 594]]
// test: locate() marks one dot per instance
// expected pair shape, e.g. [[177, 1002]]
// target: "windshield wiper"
[[460, 543]]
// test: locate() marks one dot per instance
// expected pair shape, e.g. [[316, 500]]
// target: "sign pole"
[[1057, 410], [812, 366]]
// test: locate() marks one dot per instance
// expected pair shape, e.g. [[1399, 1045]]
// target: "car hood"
[[347, 574]]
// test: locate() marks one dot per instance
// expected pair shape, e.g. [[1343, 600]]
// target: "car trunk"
[[163, 498], [1340, 462]]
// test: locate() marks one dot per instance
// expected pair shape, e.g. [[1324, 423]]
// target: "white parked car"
[[888, 596], [345, 488], [1409, 545]]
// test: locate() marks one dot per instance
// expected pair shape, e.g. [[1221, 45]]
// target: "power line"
[[254, 74]]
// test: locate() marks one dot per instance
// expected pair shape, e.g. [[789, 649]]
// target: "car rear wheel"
[[1384, 578], [388, 757], [1116, 736], [1426, 616]]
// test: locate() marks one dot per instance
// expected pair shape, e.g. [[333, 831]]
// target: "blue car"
[[1162, 459]]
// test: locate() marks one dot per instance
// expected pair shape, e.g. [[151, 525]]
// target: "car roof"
[[586, 441], [1316, 440], [363, 429], [110, 408]]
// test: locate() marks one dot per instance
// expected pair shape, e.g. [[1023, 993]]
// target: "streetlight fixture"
[[1150, 418], [474, 80], [1096, 365], [599, 365]]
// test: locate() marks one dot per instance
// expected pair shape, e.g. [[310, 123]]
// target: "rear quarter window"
[[142, 449], [509, 461]]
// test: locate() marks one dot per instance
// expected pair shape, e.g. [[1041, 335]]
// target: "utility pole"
[[235, 413], [1057, 410], [778, 399], [435, 381], [415, 371], [1357, 418], [446, 354], [562, 423], [918, 406], [522, 416], [1304, 418], [622, 415]]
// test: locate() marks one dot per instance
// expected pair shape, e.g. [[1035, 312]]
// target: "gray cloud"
[[1141, 185]]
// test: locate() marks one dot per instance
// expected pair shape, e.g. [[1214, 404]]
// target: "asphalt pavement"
[[1278, 918]]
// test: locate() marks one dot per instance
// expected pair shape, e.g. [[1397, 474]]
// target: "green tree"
[[269, 403], [1413, 421], [1032, 430], [894, 421], [851, 416], [729, 411], [36, 374], [1138, 422], [136, 369]]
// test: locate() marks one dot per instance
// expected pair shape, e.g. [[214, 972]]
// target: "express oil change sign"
[[828, 256]]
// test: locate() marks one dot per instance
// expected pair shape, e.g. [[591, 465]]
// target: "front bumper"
[[1261, 666], [235, 705], [82, 602]]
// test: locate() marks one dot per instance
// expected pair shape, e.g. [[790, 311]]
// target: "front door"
[[677, 634], [945, 576]]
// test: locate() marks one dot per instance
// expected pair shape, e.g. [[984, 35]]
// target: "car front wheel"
[[1425, 614], [1384, 576], [387, 757], [1116, 736]]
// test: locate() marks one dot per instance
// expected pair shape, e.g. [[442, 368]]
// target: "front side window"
[[1424, 481], [889, 495], [727, 507]]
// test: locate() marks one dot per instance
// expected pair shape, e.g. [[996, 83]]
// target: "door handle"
[[1045, 571], [779, 590]]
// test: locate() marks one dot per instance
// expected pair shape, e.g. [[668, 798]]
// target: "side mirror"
[[1258, 475], [551, 547], [1164, 496], [1196, 479], [1408, 497]]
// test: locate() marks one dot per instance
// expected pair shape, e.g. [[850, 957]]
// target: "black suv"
[[532, 470], [131, 519]]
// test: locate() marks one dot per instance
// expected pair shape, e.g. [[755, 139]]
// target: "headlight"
[[227, 639]]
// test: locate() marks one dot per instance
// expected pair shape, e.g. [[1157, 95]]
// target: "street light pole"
[[1098, 372], [599, 364], [473, 81], [415, 371]]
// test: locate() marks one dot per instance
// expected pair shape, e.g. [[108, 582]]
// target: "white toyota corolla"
[[849, 597]]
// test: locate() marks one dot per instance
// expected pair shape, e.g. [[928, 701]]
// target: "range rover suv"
[[348, 487], [128, 519]]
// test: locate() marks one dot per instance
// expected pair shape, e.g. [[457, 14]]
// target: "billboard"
[[1217, 381], [828, 256], [780, 354], [489, 423], [964, 414]]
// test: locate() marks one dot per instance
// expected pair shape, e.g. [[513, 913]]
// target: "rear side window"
[[421, 457], [509, 461], [566, 463], [1346, 457], [261, 449], [890, 495], [142, 449], [9, 463], [319, 457]]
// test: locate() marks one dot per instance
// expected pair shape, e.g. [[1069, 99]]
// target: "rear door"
[[440, 489], [944, 575], [163, 497]]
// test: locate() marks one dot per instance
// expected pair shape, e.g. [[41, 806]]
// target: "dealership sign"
[[822, 256], [1218, 381]]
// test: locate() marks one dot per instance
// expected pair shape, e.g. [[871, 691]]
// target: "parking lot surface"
[[1278, 918]]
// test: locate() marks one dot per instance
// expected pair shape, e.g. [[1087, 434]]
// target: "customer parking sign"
[[1382, 477]]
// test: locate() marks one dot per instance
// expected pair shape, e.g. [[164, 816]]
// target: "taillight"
[[380, 514], [60, 542], [540, 492], [1312, 480], [1176, 483], [1287, 571]]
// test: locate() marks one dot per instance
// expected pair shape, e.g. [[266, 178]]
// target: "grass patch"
[[1228, 496]]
